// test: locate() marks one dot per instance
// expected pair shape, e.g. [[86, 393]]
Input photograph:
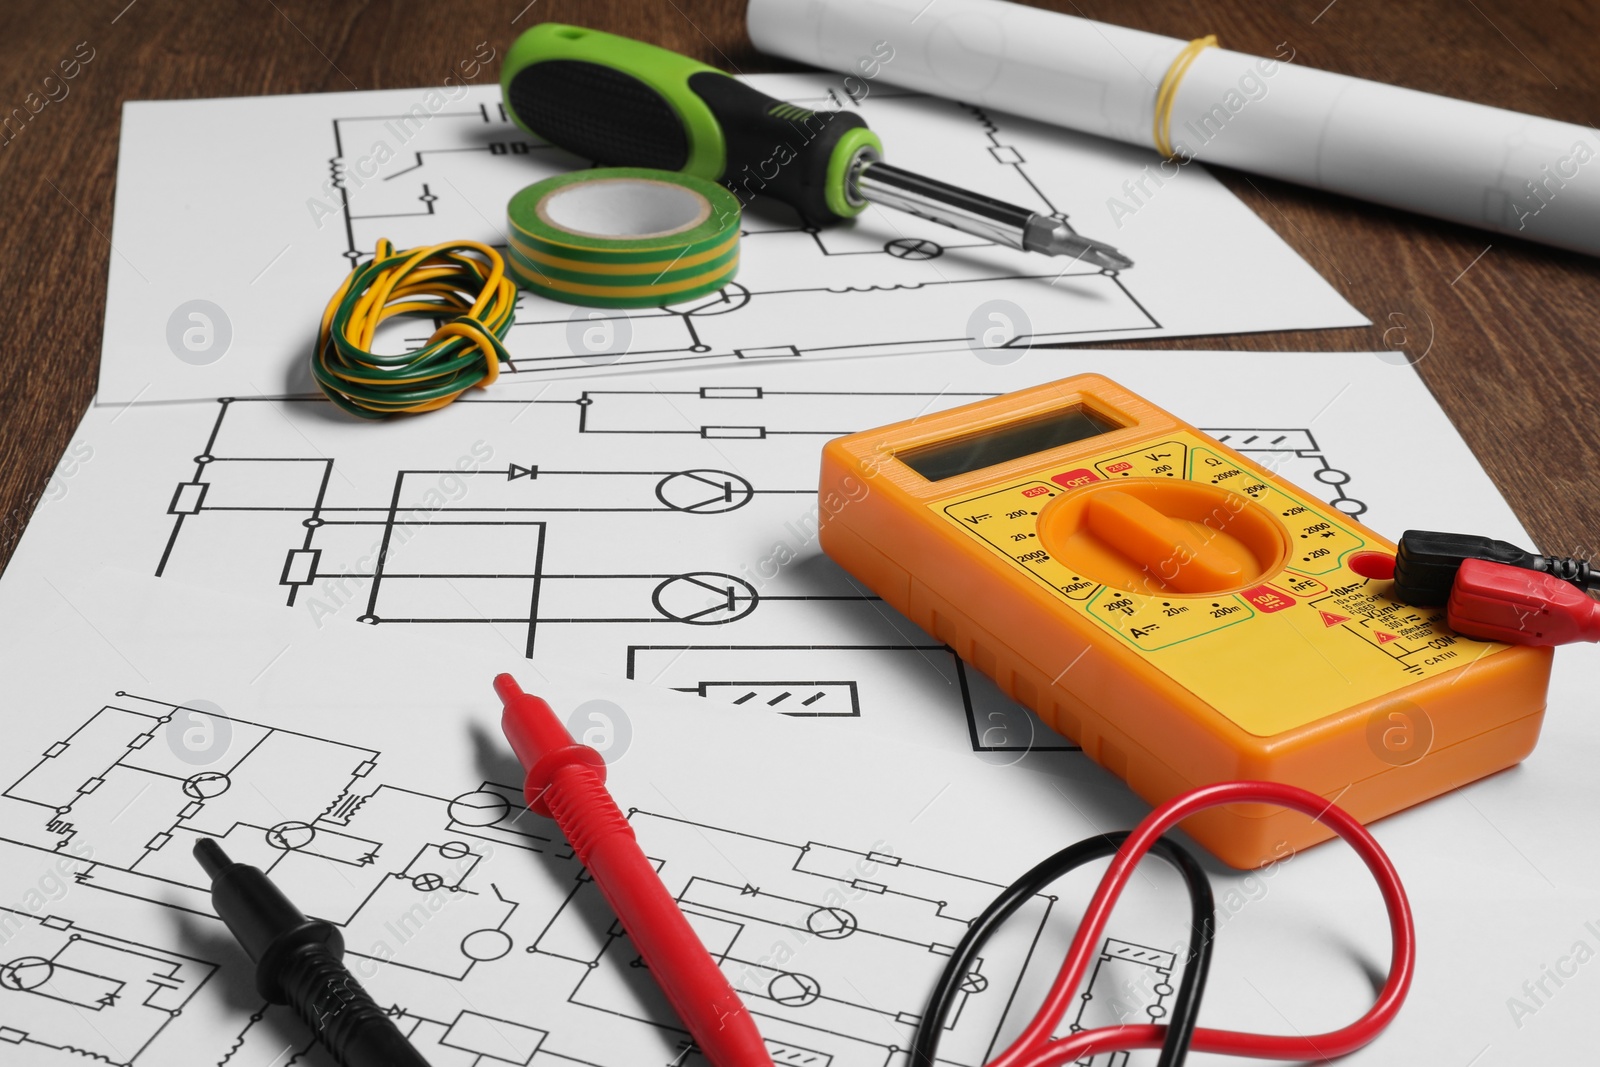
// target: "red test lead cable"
[[567, 783], [1036, 1048]]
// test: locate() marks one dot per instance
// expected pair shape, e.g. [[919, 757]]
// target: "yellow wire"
[[479, 317]]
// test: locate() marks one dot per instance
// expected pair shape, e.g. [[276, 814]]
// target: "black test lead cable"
[[1202, 931], [299, 961]]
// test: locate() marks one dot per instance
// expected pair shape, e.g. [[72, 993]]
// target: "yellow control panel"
[[1180, 611], [1375, 643]]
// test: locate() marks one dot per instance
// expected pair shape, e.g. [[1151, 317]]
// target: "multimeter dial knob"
[[1154, 535]]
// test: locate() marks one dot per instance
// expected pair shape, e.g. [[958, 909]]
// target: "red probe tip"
[[506, 688], [566, 783], [540, 739]]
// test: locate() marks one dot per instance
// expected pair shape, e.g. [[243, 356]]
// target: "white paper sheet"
[[375, 788], [366, 771], [236, 220], [663, 528]]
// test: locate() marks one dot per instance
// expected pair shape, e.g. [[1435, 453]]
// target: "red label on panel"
[[1035, 491], [1330, 619], [1267, 599], [1074, 478], [1115, 468]]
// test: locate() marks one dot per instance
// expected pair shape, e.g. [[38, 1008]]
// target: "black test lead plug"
[[1427, 561], [299, 962]]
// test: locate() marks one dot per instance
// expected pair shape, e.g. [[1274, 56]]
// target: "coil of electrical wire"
[[1202, 931], [1040, 1045], [462, 285]]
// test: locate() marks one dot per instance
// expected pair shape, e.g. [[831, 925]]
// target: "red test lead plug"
[[567, 782], [1500, 602]]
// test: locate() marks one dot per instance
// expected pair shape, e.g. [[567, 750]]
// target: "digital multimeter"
[[1177, 610]]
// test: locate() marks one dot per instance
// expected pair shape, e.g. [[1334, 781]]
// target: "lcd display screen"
[[1010, 441]]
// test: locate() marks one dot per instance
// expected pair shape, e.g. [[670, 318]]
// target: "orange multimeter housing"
[[1177, 610]]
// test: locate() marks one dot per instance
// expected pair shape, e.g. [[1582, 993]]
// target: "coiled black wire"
[[1202, 929]]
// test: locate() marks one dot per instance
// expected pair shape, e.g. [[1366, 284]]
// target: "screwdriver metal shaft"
[[961, 209]]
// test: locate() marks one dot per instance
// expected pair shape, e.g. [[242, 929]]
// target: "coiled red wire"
[[1035, 1046]]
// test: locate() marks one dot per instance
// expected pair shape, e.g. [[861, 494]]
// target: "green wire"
[[439, 370]]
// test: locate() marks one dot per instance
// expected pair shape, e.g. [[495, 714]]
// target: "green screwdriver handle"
[[621, 102]]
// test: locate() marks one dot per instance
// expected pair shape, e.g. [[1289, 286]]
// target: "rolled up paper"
[[1501, 170]]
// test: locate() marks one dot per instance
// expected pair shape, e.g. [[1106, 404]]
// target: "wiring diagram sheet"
[[830, 878], [302, 187], [383, 799], [663, 528]]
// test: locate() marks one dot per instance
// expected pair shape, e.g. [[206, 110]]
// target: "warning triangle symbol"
[[521, 472], [1383, 638], [1330, 619]]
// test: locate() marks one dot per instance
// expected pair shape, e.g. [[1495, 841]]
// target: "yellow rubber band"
[[1167, 94]]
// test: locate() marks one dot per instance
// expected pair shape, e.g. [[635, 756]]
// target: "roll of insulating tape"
[[623, 237]]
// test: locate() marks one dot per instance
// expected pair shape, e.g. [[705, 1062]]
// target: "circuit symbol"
[[706, 492], [705, 598], [914, 248]]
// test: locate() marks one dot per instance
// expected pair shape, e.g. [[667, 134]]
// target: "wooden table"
[[1506, 326]]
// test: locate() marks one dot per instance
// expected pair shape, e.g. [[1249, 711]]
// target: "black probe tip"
[[299, 963], [212, 859]]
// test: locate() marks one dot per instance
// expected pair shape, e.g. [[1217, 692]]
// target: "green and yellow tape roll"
[[623, 237]]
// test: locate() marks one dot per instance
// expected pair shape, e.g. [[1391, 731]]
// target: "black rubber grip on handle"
[[774, 149], [600, 113]]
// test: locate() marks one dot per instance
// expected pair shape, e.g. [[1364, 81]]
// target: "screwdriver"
[[621, 102]]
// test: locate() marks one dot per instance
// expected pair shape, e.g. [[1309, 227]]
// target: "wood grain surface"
[[1508, 328]]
